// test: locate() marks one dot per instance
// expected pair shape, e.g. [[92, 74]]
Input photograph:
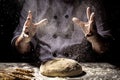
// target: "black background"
[[9, 18]]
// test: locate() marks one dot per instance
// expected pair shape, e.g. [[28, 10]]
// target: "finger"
[[91, 22], [88, 11], [26, 35], [92, 17], [29, 19], [26, 30], [78, 22], [43, 22]]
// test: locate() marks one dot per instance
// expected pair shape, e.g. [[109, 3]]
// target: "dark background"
[[9, 18]]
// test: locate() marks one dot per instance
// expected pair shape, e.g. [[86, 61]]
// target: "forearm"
[[99, 44], [22, 44]]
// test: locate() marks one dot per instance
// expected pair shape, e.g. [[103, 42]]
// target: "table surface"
[[91, 71]]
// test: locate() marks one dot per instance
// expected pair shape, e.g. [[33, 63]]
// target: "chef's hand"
[[29, 28], [87, 27]]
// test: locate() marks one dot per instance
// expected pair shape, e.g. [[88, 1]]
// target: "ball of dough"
[[61, 67]]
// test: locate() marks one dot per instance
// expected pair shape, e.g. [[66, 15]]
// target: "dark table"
[[91, 71]]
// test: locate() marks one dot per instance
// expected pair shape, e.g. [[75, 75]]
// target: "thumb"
[[78, 22], [43, 22]]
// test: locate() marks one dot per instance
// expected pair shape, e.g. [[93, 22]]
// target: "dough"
[[61, 67]]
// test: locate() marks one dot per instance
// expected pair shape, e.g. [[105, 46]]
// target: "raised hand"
[[87, 27], [29, 28]]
